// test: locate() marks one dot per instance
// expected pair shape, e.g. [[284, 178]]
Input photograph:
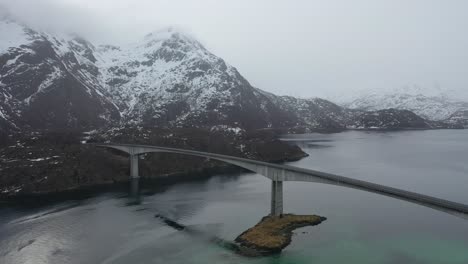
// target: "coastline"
[[82, 168], [70, 167]]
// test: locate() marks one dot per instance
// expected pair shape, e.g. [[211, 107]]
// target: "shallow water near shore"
[[360, 228]]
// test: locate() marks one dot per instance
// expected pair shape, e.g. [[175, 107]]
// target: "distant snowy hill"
[[166, 79], [430, 106]]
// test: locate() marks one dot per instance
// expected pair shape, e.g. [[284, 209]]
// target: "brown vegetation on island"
[[273, 233]]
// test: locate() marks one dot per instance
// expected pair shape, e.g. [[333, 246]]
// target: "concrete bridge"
[[279, 173]]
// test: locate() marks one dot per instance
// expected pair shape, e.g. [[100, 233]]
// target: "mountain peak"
[[160, 34], [171, 34]]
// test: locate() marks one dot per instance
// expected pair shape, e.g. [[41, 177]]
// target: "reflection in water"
[[361, 227]]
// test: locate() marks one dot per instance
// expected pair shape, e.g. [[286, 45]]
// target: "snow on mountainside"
[[170, 79], [434, 107], [314, 113]]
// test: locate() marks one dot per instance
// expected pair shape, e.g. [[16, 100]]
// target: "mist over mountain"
[[324, 49]]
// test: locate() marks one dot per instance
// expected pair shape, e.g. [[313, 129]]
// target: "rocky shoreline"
[[47, 162]]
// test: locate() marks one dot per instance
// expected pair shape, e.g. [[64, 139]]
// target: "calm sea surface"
[[361, 227]]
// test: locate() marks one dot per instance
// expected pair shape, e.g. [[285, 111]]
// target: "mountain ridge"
[[167, 79], [436, 107]]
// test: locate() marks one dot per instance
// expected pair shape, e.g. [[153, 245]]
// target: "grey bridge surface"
[[278, 173]]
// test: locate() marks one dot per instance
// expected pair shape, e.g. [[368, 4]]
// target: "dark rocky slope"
[[48, 82]]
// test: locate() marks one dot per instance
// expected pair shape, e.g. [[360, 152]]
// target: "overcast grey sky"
[[297, 47]]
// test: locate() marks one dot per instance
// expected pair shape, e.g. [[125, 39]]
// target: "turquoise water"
[[361, 227]]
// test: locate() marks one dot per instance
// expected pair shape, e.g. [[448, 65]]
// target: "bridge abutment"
[[276, 198]]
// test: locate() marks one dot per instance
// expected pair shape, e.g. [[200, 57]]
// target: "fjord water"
[[361, 227]]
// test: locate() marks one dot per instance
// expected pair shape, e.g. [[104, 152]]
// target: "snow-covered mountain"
[[433, 107], [170, 79], [166, 79]]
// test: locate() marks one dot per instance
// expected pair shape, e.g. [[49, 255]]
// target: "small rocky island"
[[273, 233]]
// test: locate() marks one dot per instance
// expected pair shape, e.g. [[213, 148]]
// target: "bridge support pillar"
[[134, 166], [134, 177], [276, 198], [134, 187]]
